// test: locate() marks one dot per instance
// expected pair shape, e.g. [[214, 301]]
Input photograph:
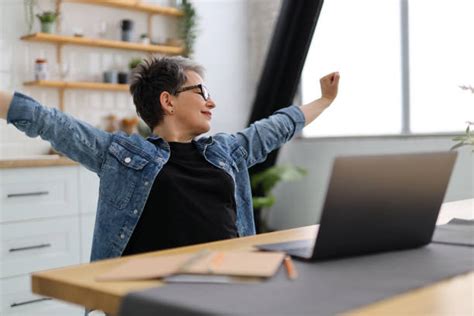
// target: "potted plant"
[[468, 138], [134, 62], [264, 182], [144, 39], [47, 19], [188, 27]]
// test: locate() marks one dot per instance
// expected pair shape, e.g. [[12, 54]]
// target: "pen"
[[216, 262], [290, 268]]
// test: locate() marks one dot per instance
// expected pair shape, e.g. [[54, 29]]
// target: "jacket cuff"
[[22, 108], [296, 115]]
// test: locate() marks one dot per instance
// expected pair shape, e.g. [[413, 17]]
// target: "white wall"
[[222, 49]]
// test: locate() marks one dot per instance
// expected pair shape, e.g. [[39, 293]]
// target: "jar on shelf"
[[127, 30], [41, 69]]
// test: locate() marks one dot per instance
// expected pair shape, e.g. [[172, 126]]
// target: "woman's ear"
[[166, 101]]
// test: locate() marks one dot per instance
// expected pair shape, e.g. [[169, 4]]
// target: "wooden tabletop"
[[76, 284]]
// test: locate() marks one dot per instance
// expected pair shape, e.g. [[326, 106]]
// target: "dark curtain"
[[283, 66]]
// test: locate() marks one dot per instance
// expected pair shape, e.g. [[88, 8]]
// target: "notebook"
[[377, 203], [229, 263]]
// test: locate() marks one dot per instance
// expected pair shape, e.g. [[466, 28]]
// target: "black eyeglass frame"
[[202, 88]]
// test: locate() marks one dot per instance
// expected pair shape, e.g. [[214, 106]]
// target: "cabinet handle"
[[30, 302], [30, 247], [27, 194]]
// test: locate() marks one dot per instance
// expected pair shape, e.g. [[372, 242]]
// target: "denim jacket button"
[[122, 236], [128, 159], [146, 183], [135, 211], [221, 163]]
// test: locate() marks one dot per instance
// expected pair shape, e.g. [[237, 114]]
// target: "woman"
[[172, 189]]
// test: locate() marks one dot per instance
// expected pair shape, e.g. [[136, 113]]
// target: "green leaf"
[[263, 202], [458, 145], [47, 16], [188, 25], [134, 62], [269, 178]]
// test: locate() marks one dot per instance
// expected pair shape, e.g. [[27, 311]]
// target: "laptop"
[[377, 203]]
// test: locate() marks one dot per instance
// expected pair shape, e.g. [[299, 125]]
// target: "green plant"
[[188, 32], [48, 16], [468, 138], [266, 181], [134, 62]]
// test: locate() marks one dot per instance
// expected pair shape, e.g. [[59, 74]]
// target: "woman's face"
[[192, 111]]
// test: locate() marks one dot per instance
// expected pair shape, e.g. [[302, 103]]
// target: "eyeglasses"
[[202, 90]]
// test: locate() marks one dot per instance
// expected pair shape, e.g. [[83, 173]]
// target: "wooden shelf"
[[77, 85], [84, 41], [132, 5]]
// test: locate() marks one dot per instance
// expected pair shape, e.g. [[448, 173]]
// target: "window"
[[394, 78], [441, 59]]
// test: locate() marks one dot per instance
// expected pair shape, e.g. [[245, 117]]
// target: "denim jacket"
[[128, 165]]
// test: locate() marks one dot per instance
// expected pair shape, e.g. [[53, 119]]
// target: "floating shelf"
[[84, 41], [132, 5], [78, 85]]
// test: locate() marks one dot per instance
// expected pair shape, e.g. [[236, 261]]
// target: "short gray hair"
[[152, 77]]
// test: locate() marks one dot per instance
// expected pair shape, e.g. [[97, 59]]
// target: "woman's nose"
[[210, 103]]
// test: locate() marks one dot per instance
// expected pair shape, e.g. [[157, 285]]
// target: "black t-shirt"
[[191, 202]]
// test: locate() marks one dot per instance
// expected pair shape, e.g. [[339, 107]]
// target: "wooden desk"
[[76, 284]]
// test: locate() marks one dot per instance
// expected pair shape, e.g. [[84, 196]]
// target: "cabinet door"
[[88, 191], [29, 193], [87, 231], [38, 245], [16, 299]]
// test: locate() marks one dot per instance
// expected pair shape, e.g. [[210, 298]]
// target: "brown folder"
[[232, 263]]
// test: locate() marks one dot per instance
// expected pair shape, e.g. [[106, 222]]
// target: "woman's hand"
[[329, 86]]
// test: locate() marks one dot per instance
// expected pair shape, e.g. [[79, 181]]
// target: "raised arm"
[[75, 139], [266, 135], [329, 86], [5, 100]]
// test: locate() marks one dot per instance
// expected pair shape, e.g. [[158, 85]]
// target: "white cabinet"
[[27, 193], [89, 191], [38, 245], [88, 197], [47, 220], [87, 230], [17, 300]]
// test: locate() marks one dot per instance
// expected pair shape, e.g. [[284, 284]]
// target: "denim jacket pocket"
[[121, 173]]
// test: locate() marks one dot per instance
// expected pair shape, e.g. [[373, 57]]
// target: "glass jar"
[[41, 69]]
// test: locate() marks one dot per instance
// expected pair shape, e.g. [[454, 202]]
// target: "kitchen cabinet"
[[46, 221], [18, 300]]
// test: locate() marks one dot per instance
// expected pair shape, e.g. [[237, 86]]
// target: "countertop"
[[36, 161]]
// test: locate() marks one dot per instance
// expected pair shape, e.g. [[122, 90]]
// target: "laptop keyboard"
[[301, 248]]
